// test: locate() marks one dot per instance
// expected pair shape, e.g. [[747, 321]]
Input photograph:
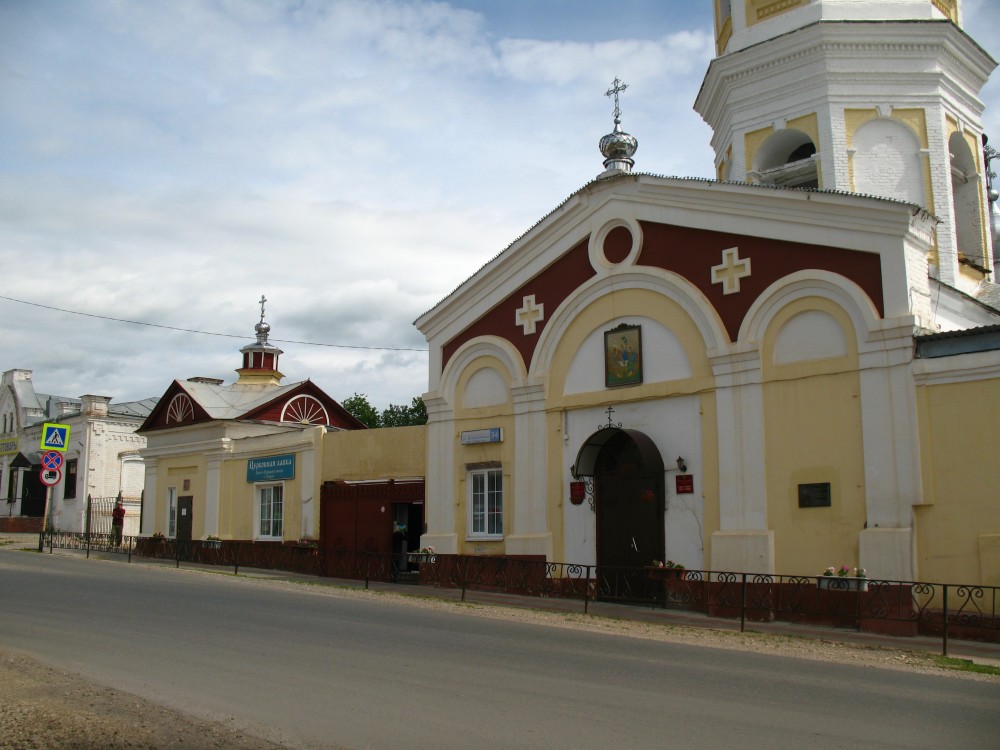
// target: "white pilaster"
[[531, 534], [442, 505], [150, 496], [743, 541], [213, 477]]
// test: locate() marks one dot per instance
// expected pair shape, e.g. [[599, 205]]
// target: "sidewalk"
[[980, 653]]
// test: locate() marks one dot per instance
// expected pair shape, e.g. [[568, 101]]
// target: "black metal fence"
[[295, 558], [963, 611]]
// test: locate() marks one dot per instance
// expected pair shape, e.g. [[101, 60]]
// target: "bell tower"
[[260, 359], [879, 97]]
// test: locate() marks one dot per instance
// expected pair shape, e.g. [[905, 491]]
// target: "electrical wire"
[[208, 333]]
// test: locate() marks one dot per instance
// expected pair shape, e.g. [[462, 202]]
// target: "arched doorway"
[[627, 473]]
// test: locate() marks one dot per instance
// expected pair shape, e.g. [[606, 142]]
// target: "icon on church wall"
[[623, 356]]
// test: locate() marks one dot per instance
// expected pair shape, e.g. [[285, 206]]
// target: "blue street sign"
[[55, 437]]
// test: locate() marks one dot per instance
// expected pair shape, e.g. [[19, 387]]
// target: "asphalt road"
[[312, 669]]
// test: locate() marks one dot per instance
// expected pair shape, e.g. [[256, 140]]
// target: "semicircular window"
[[180, 409], [305, 410]]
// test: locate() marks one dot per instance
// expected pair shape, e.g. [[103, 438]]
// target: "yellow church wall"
[[752, 142], [480, 418], [384, 453], [958, 527], [813, 434], [172, 472]]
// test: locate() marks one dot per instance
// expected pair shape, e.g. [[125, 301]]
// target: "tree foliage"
[[395, 415]]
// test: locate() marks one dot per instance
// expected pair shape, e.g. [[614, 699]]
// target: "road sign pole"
[[45, 518]]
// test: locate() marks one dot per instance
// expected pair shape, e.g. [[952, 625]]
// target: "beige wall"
[[958, 528], [385, 453], [813, 434]]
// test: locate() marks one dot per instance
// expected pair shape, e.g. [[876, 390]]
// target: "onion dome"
[[260, 359], [618, 147]]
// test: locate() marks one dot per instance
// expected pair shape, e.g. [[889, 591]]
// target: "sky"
[[354, 161]]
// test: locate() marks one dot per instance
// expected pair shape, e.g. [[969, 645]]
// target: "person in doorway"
[[118, 522], [398, 549]]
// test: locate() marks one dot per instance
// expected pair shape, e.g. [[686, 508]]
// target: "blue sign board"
[[55, 437], [489, 435], [271, 468]]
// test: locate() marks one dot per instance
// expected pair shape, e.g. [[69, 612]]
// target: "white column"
[[213, 481], [308, 498], [892, 458], [531, 534], [150, 496], [440, 505], [743, 543]]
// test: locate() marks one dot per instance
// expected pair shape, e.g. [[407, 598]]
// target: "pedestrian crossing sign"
[[55, 437]]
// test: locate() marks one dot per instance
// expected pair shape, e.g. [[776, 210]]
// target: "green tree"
[[395, 415], [362, 410]]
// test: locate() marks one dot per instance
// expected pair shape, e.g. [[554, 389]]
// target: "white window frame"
[[491, 522], [172, 512], [259, 491]]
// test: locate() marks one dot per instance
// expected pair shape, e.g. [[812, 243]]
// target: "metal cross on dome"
[[617, 86], [263, 299]]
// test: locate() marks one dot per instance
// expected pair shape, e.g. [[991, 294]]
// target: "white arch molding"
[[180, 409], [672, 286], [305, 409]]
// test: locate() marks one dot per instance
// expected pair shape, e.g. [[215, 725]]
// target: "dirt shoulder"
[[45, 708]]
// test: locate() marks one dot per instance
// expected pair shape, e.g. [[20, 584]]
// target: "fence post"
[[465, 576], [90, 505], [368, 568], [586, 592], [944, 643], [743, 602]]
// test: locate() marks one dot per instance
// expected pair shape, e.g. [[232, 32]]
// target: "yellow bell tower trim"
[[761, 10], [948, 7]]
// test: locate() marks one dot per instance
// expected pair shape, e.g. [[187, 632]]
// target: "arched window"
[[180, 409], [887, 162], [966, 205], [786, 160], [305, 410]]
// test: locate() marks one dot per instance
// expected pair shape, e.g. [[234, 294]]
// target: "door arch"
[[627, 472]]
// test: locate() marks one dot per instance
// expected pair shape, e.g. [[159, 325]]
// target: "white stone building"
[[101, 461]]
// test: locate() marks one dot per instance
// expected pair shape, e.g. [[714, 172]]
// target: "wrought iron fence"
[[963, 611]]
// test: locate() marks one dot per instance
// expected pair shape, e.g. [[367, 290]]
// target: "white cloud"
[[354, 160]]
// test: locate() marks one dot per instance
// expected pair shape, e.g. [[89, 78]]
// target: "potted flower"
[[843, 578], [665, 569]]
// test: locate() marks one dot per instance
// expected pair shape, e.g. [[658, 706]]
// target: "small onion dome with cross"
[[617, 146], [260, 359]]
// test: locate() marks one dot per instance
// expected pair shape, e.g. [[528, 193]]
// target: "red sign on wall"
[[577, 492], [685, 484]]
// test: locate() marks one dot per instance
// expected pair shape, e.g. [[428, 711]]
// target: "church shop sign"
[[271, 468]]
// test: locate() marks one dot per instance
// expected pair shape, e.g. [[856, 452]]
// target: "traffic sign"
[[50, 476], [52, 460], [55, 437]]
